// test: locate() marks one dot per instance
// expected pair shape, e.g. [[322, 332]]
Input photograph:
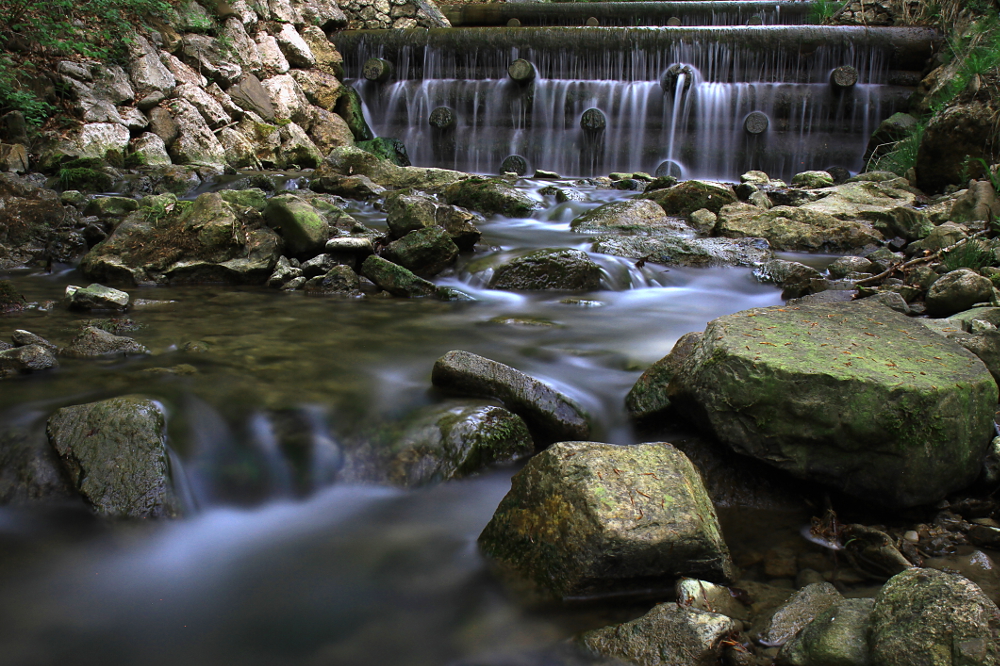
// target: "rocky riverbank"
[[875, 383]]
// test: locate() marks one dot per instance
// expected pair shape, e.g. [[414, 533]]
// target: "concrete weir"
[[691, 12], [681, 94]]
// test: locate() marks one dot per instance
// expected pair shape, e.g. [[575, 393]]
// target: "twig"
[[919, 260]]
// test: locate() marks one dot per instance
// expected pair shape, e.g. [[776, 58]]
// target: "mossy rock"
[[386, 148], [423, 251], [84, 179], [585, 518], [850, 394], [691, 195], [304, 230], [549, 269], [490, 196]]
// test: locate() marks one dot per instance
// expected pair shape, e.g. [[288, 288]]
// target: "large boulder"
[[691, 195], [586, 518], [672, 249], [208, 240], [304, 230], [668, 635], [924, 617], [353, 161], [548, 412], [490, 196], [115, 455], [545, 269], [423, 251], [850, 394], [627, 215], [795, 228]]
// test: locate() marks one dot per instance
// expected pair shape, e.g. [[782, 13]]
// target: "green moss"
[[84, 179]]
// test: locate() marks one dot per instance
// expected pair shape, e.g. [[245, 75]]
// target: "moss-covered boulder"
[[409, 210], [438, 444], [550, 414], [171, 241], [850, 394], [557, 269], [627, 215], [812, 179], [672, 249], [400, 281], [114, 452], [424, 251], [795, 228], [302, 227], [691, 195], [387, 148], [668, 635], [586, 518], [490, 196], [924, 617], [353, 161]]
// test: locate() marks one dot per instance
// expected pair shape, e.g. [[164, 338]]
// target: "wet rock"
[[957, 291], [319, 265], [705, 596], [627, 215], [350, 108], [674, 250], [548, 269], [842, 266], [351, 187], [794, 278], [283, 273], [979, 202], [409, 211], [338, 280], [975, 565], [93, 342], [399, 281], [96, 297], [648, 396], [114, 453], [668, 635], [812, 179], [490, 196], [460, 225], [424, 251], [328, 131], [799, 611], [703, 221], [838, 636], [551, 415], [297, 150], [22, 338], [26, 359], [906, 223], [818, 402], [795, 228], [925, 617], [30, 471], [386, 148], [691, 195], [438, 444], [303, 229], [351, 161], [171, 241], [357, 247], [586, 518]]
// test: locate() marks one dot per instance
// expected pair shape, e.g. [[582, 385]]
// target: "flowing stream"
[[277, 563]]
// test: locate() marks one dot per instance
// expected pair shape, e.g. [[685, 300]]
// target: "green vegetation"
[[974, 254], [40, 32], [821, 10]]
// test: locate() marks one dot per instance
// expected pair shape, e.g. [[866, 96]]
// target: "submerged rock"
[[668, 635], [552, 415], [924, 617], [441, 444], [850, 394], [93, 342], [570, 270], [490, 196], [114, 452], [26, 359], [584, 518]]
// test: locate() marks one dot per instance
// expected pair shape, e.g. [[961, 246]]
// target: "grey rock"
[[26, 359], [338, 280], [22, 338], [586, 518], [114, 452], [426, 251], [96, 297], [668, 635], [800, 610], [838, 636], [96, 343], [957, 291], [555, 269], [551, 415]]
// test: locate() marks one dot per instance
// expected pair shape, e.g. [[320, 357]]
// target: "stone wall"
[[393, 14]]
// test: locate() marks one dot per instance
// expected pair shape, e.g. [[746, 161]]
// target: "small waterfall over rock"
[[748, 97]]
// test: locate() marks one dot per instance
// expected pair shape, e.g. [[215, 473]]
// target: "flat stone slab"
[[547, 412], [585, 518], [851, 394]]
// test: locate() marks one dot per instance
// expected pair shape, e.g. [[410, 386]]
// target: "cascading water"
[[781, 72]]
